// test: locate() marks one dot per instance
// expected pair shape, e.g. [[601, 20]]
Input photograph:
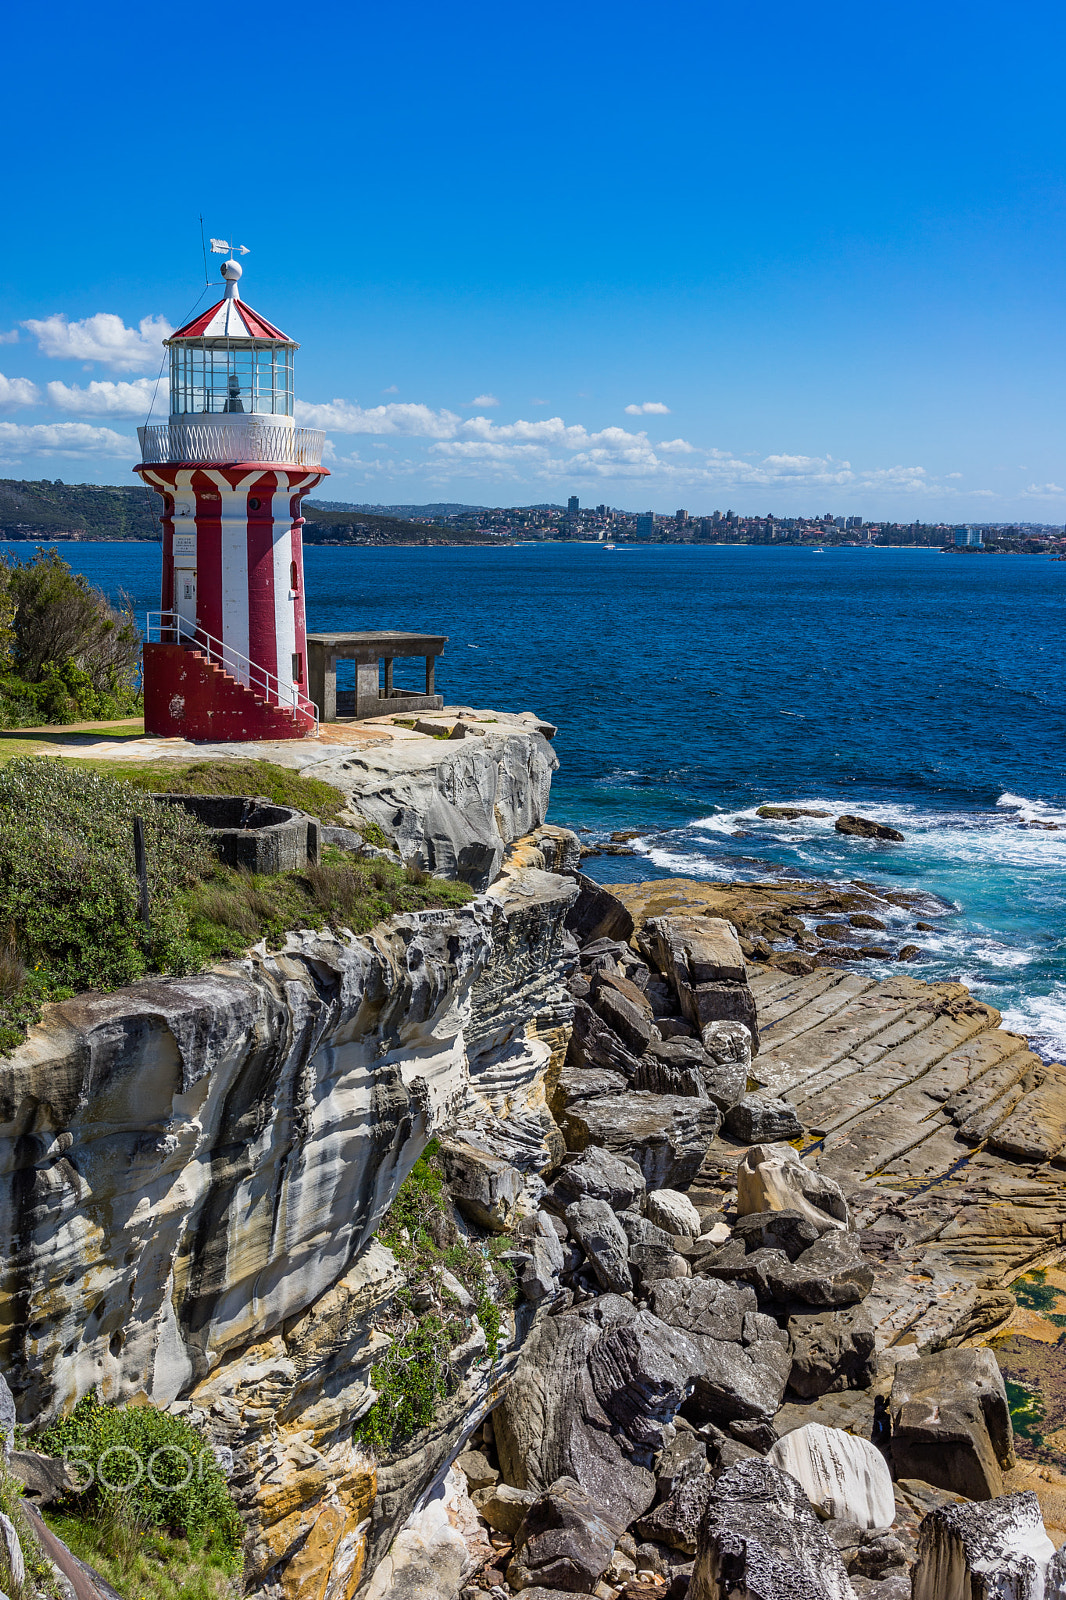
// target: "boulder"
[[673, 1212], [863, 828], [599, 1233], [760, 1540], [831, 1351], [7, 1419], [984, 1552], [582, 1083], [683, 1456], [842, 1475], [759, 1119], [45, 1479], [630, 1022], [789, 1231], [951, 1422], [743, 1372], [598, 1174], [591, 1397], [649, 1263], [772, 1177], [565, 1542], [702, 958], [475, 1468], [676, 1521], [667, 1135], [680, 1073], [504, 1508], [597, 914], [485, 1188], [832, 1272], [789, 813], [684, 1066], [867, 1552], [624, 986], [594, 1044]]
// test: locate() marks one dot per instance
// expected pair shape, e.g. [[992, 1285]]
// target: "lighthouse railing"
[[170, 627], [249, 439]]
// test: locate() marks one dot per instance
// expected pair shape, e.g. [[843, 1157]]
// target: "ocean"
[[691, 685]]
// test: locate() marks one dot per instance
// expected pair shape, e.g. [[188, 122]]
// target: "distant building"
[[853, 522], [969, 538], [645, 525], [572, 506], [840, 522], [681, 516], [601, 511]]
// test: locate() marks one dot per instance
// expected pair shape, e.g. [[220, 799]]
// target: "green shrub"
[[150, 1468], [69, 899], [415, 1372], [66, 654]]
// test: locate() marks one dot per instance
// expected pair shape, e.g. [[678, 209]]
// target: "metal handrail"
[[244, 439], [241, 667]]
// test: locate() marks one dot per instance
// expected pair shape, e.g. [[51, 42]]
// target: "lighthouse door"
[[185, 584]]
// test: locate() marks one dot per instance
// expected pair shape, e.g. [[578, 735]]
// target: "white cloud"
[[538, 402], [15, 392], [18, 439], [104, 338], [953, 474], [106, 399], [483, 400], [392, 389], [649, 408], [344, 416], [10, 337], [1044, 490]]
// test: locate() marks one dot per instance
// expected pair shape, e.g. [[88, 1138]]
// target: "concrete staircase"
[[188, 696]]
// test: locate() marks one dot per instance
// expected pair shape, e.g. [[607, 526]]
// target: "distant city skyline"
[[777, 258]]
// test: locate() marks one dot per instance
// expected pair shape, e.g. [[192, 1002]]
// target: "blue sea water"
[[691, 685]]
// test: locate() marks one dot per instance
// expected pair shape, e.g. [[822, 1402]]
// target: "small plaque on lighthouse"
[[185, 544]]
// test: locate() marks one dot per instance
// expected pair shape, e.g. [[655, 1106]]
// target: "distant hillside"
[[60, 510], [347, 527], [441, 508]]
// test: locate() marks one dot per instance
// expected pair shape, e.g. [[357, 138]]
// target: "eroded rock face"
[[760, 1540], [192, 1171], [666, 1135], [982, 1552], [454, 806], [563, 1543]]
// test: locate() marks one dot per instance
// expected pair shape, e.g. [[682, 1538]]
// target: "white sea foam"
[[1042, 1017]]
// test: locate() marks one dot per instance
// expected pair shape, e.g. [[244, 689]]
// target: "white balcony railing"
[[226, 442]]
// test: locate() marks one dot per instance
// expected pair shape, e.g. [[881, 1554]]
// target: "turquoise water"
[[692, 685]]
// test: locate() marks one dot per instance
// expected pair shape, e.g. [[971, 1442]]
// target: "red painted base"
[[188, 697]]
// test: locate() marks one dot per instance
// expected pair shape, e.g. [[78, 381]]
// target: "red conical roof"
[[231, 319]]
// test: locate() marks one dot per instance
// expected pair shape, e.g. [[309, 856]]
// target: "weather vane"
[[221, 247]]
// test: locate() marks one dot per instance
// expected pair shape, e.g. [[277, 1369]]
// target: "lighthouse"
[[225, 657]]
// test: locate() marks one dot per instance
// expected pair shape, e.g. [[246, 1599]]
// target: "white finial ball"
[[231, 271]]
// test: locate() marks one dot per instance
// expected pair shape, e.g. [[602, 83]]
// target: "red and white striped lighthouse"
[[225, 658]]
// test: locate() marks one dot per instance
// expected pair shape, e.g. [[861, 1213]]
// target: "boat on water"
[[818, 552], [608, 547]]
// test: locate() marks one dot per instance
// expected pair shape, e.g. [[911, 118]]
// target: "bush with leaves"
[[153, 1468], [417, 1371], [66, 653], [69, 897]]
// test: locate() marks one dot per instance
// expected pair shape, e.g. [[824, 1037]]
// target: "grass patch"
[[231, 908], [157, 1567], [69, 901], [428, 1323], [283, 785]]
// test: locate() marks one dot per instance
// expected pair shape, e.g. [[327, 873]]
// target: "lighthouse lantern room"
[[225, 656]]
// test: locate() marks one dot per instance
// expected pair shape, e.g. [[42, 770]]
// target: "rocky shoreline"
[[764, 1369]]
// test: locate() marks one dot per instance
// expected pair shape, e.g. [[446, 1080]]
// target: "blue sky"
[[766, 257]]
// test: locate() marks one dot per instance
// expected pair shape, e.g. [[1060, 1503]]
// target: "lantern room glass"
[[215, 376]]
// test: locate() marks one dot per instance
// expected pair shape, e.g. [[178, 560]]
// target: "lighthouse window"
[[217, 376]]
